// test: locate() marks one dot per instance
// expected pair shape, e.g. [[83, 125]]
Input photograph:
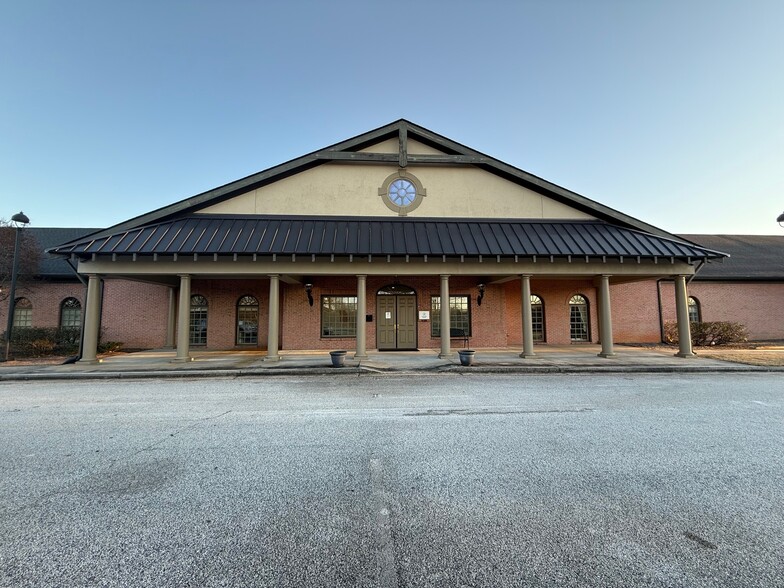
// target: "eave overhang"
[[226, 235]]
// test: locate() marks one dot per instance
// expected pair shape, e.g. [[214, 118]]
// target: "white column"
[[528, 323], [361, 352], [184, 320], [445, 322], [92, 320], [274, 318], [605, 317], [682, 312], [171, 319]]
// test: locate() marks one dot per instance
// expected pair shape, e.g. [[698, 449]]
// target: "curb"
[[376, 372]]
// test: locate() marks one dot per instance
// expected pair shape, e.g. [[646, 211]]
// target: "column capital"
[[445, 275], [362, 275], [526, 275], [273, 275], [183, 275]]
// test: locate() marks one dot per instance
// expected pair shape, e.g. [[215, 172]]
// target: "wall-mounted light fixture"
[[481, 288], [780, 220], [309, 293]]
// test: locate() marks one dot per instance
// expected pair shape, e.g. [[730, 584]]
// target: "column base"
[[356, 356], [610, 354], [182, 359], [90, 361], [685, 355], [271, 358], [446, 355], [525, 355]]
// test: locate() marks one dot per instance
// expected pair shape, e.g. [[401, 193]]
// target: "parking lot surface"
[[443, 480]]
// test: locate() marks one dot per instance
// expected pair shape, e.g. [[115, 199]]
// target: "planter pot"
[[466, 356], [338, 357]]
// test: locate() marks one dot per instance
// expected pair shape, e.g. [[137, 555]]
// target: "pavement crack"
[[178, 431], [385, 556], [699, 540]]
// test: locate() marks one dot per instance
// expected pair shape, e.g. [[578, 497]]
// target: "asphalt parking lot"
[[448, 480]]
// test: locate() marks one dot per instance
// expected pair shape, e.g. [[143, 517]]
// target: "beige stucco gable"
[[350, 189]]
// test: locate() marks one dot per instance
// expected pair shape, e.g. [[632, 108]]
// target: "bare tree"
[[29, 257]]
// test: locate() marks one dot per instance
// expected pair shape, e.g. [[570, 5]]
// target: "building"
[[376, 242]]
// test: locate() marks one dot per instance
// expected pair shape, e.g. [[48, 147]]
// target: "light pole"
[[20, 220]]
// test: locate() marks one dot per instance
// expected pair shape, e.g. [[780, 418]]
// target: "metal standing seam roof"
[[300, 235]]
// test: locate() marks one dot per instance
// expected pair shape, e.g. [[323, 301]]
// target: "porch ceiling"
[[362, 236]]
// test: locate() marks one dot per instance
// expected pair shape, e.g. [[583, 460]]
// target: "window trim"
[[78, 325], [544, 320], [28, 310], [694, 303], [587, 318], [321, 316], [434, 313], [402, 174], [237, 307], [206, 306]]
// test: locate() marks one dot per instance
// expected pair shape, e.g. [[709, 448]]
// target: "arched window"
[[23, 313], [247, 321], [70, 313], [537, 318], [695, 316], [198, 320], [579, 319]]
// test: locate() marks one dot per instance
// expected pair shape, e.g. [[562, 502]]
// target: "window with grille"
[[695, 316], [198, 323], [578, 318], [70, 313], [459, 316], [537, 318], [247, 321], [338, 316], [23, 313]]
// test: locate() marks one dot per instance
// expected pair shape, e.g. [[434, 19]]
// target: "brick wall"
[[46, 298], [135, 313], [758, 306]]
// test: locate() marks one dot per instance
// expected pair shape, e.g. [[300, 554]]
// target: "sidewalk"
[[549, 359]]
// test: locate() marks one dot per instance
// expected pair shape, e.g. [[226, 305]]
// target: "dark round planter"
[[338, 357], [466, 356]]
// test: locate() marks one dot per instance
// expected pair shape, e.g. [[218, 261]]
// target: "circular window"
[[402, 192]]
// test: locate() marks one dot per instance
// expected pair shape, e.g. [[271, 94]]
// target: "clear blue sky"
[[671, 111]]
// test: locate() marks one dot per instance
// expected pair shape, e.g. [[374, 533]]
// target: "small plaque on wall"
[[424, 315]]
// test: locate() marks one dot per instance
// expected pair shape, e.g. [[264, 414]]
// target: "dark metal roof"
[[47, 237], [285, 235], [754, 257]]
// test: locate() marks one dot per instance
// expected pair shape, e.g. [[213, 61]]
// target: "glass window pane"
[[23, 313], [198, 322], [338, 316], [578, 318], [537, 318], [247, 321], [459, 315], [71, 314]]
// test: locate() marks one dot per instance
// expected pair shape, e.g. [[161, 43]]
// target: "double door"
[[397, 322]]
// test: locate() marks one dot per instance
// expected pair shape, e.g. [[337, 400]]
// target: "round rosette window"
[[402, 192]]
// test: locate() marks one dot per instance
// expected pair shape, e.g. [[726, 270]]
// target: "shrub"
[[708, 334], [109, 347], [37, 341]]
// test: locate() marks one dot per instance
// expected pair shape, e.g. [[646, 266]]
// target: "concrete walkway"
[[549, 359]]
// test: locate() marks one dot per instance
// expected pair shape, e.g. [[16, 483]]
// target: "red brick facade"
[[135, 313]]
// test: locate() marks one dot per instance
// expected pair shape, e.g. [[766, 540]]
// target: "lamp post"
[[20, 220], [780, 220]]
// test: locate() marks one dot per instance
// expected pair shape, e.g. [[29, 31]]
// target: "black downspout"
[[659, 298], [78, 356], [661, 313]]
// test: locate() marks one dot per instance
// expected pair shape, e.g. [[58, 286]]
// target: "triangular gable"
[[371, 148]]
